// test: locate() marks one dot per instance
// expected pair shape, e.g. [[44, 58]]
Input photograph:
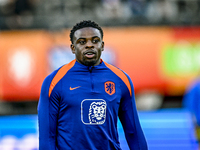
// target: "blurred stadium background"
[[157, 42]]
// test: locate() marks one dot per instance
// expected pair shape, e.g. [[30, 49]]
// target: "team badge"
[[109, 87], [93, 111]]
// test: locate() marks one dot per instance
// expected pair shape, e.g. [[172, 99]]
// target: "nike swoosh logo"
[[74, 87]]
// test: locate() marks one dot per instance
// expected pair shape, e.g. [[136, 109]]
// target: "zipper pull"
[[90, 68]]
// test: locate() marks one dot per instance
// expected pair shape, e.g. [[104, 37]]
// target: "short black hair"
[[83, 24]]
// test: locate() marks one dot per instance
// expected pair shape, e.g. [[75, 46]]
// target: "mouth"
[[90, 54]]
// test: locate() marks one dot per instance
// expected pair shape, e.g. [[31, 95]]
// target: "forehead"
[[87, 32]]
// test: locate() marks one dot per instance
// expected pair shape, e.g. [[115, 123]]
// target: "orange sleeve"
[[61, 72]]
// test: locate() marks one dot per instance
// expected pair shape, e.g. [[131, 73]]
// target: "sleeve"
[[191, 99], [188, 98], [47, 117], [129, 119]]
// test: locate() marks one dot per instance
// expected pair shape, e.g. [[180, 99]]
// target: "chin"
[[90, 62]]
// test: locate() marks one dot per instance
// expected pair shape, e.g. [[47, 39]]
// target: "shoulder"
[[122, 75], [57, 75], [115, 69], [119, 72]]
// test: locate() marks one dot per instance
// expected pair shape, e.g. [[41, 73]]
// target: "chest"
[[90, 85]]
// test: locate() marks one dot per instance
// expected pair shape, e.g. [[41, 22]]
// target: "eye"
[[95, 40], [81, 42]]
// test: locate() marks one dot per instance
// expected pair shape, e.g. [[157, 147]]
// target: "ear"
[[72, 48], [102, 46]]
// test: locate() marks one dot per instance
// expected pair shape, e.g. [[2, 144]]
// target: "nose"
[[89, 45]]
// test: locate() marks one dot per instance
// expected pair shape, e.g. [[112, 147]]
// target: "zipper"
[[91, 78]]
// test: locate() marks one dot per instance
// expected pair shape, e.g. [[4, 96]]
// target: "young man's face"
[[87, 46]]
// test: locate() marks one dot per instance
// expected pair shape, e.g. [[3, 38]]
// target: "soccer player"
[[81, 101]]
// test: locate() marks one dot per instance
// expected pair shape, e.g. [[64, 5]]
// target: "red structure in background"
[[23, 64], [150, 56]]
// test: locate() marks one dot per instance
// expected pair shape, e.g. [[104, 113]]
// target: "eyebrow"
[[85, 38]]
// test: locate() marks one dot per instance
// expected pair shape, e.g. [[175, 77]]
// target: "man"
[[191, 98], [80, 102], [190, 102]]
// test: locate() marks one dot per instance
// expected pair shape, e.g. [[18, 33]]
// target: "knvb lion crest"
[[93, 111], [97, 112], [109, 87]]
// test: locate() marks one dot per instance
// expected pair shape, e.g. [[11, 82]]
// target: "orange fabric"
[[119, 73], [60, 74]]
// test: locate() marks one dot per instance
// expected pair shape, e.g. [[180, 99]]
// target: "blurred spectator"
[[188, 10], [162, 10], [88, 5], [116, 10], [51, 14], [20, 13], [6, 7], [112, 8], [23, 7], [138, 7]]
